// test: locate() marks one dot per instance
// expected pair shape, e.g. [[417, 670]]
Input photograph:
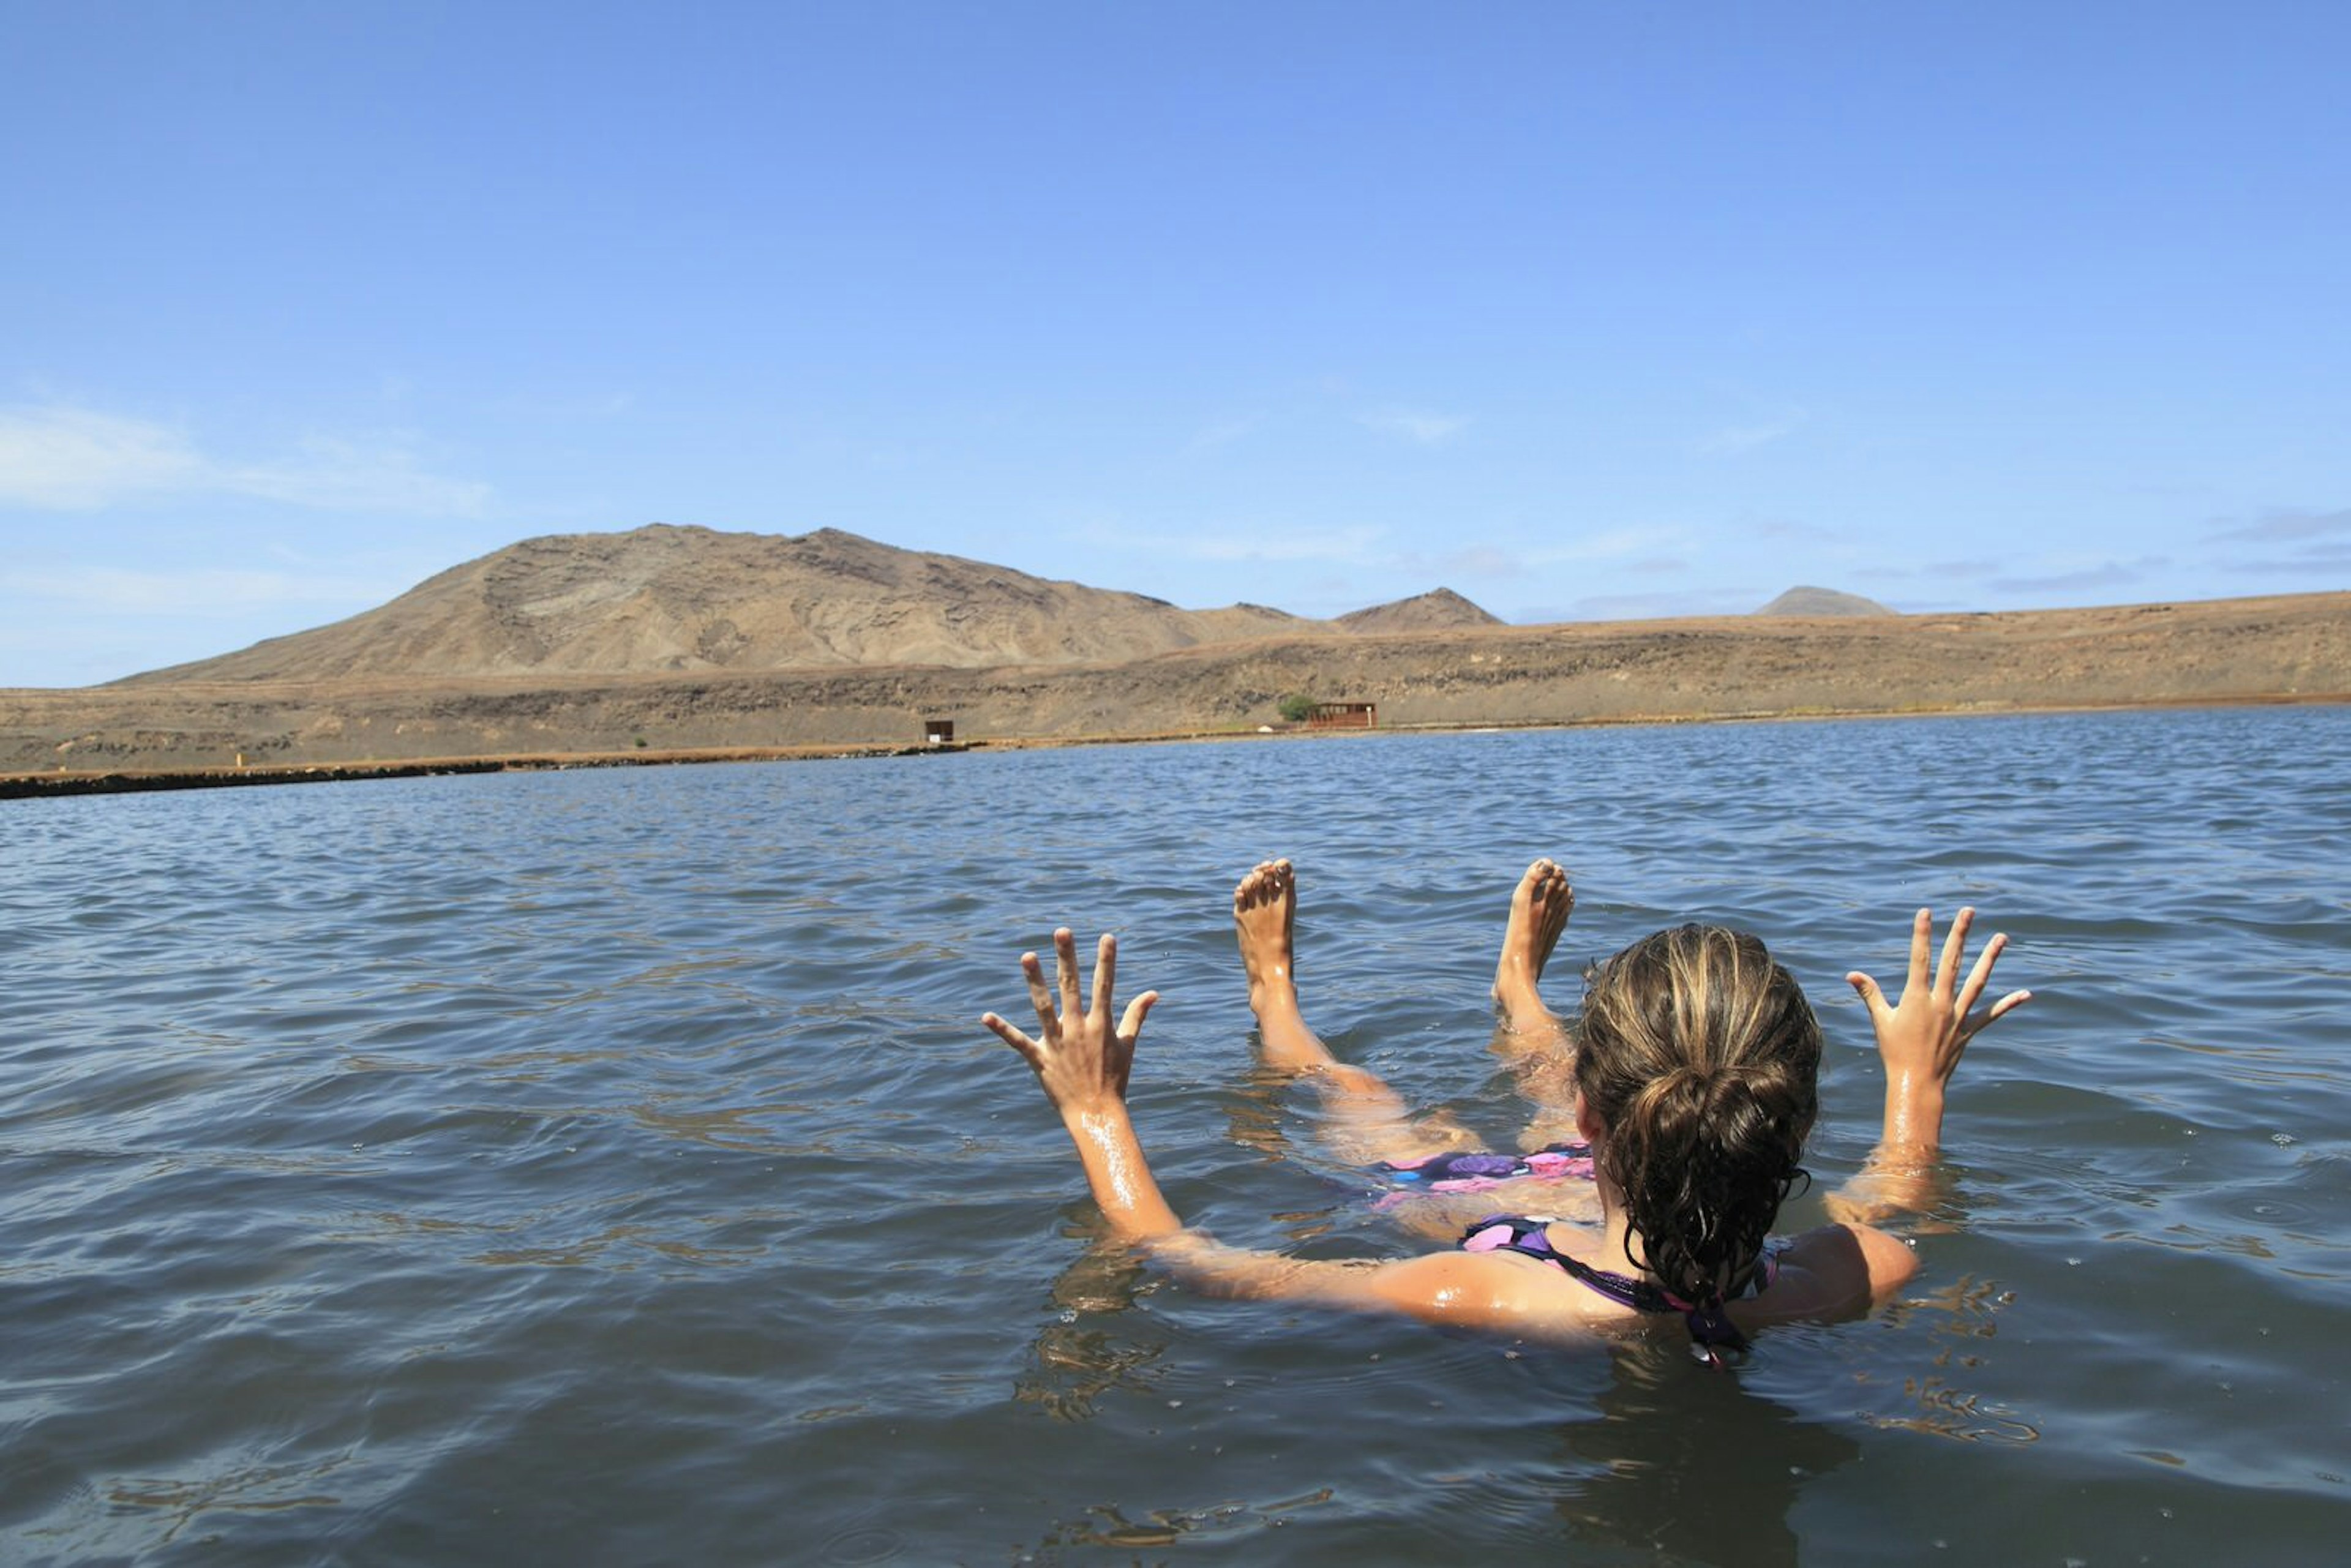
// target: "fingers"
[[1057, 1005], [1955, 946], [1870, 996], [1012, 1037], [1038, 997], [1981, 976], [1131, 1026], [1065, 970], [1105, 965], [1922, 932], [1978, 1022]]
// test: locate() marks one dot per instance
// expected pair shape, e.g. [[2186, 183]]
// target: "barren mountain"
[[2289, 649], [1440, 611], [1824, 601], [681, 600], [678, 641]]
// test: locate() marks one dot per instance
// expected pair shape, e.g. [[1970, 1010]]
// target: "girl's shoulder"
[[1835, 1270]]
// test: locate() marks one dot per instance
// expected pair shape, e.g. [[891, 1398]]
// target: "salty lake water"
[[608, 1167]]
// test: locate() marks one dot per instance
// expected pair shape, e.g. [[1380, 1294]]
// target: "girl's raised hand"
[[1081, 1060], [1923, 1036]]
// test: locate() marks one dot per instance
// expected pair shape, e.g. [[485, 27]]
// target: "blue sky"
[[1584, 311]]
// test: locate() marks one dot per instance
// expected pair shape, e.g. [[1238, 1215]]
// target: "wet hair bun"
[[1701, 1058]]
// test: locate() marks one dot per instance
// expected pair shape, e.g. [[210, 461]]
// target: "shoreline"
[[148, 735], [63, 782]]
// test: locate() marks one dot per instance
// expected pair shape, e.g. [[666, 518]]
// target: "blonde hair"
[[1700, 1058]]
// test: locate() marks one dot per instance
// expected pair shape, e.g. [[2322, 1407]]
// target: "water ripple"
[[609, 1166]]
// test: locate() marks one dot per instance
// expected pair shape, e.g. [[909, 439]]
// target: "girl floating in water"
[[1685, 1096]]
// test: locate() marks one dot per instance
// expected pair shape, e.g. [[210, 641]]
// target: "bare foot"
[[1366, 1123], [1265, 913], [1540, 1049], [1538, 911]]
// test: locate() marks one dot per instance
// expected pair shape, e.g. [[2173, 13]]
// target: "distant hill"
[[1824, 601], [664, 599], [2290, 648], [1441, 609]]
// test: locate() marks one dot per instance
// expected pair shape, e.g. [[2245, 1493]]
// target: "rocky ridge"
[[1802, 600], [2292, 648], [1441, 609], [681, 641], [668, 600]]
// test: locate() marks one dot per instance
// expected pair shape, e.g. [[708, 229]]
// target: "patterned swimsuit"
[[1711, 1328], [1471, 1171]]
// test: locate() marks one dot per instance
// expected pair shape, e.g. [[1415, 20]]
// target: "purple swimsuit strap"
[[1710, 1324]]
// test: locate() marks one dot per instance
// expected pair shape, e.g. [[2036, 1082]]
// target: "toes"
[[1270, 882]]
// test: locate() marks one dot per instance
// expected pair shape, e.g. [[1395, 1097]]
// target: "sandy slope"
[[678, 599], [2285, 648]]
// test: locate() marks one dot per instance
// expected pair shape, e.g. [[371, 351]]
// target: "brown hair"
[[1700, 1058]]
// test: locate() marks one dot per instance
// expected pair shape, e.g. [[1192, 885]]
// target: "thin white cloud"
[[1938, 570], [1613, 544], [211, 593], [2288, 524], [1635, 548], [1355, 546], [1638, 607], [1351, 545], [1478, 560], [72, 460], [62, 459], [2056, 572], [1795, 528], [2072, 574], [1732, 440], [346, 476], [1222, 433], [2311, 549], [2325, 557], [1421, 426]]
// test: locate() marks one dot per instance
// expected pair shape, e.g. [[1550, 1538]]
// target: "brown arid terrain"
[[1823, 601], [665, 600], [336, 700], [1441, 609]]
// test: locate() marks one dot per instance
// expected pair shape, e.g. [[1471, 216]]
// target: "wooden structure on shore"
[[1343, 715]]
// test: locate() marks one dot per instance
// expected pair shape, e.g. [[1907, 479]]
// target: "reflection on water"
[[606, 1166], [261, 1489], [1106, 1525], [1078, 1354], [1698, 1470], [1963, 1311]]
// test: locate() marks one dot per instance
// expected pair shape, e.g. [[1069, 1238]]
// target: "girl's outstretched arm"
[[1920, 1039], [1082, 1062]]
